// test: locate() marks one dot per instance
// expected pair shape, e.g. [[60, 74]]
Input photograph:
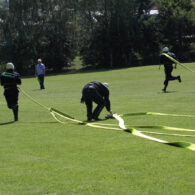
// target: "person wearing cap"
[[9, 80], [40, 73], [168, 67], [99, 93]]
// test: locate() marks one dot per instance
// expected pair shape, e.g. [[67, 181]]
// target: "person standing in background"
[[40, 73]]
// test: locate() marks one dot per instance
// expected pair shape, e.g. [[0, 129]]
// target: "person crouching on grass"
[[99, 93], [9, 80]]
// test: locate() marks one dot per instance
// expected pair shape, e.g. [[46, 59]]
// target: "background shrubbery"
[[105, 33]]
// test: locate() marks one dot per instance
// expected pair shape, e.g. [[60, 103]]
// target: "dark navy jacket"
[[9, 78], [166, 61], [102, 90]]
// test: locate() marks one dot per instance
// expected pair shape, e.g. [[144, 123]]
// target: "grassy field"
[[38, 155]]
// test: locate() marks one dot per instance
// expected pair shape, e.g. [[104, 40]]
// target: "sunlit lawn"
[[38, 155]]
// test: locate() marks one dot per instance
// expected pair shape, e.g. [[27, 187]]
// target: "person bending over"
[[99, 93]]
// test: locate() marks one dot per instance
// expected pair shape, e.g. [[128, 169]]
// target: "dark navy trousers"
[[92, 95]]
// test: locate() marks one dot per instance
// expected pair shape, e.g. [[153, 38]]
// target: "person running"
[[9, 80], [99, 93], [40, 72], [168, 67]]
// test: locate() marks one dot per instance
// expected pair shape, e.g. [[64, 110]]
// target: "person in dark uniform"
[[168, 67], [9, 80], [99, 93]]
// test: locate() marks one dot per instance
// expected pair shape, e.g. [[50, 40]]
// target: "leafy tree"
[[107, 33], [177, 25], [39, 28], [119, 32]]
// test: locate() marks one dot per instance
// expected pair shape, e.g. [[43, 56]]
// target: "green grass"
[[41, 156], [76, 65]]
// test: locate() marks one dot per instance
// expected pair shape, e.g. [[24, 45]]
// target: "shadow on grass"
[[36, 89], [94, 121], [167, 92], [41, 122], [82, 70], [7, 123]]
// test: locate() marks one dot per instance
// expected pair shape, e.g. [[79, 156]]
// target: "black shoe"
[[179, 79], [109, 116], [87, 121], [164, 90]]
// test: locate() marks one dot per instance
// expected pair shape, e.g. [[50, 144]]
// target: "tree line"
[[105, 33]]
